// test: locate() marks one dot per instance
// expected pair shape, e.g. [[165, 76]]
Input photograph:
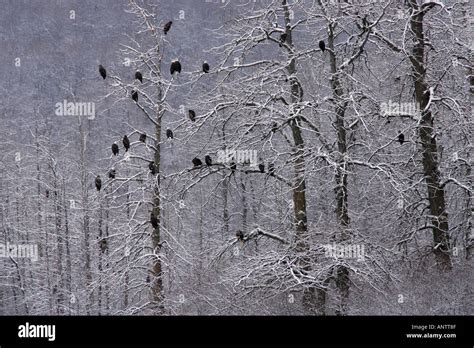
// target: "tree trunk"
[[436, 193]]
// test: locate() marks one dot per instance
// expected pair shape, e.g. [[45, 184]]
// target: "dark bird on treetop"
[[233, 166], [208, 160], [167, 27], [115, 149], [135, 96], [175, 67], [282, 39], [197, 162], [205, 67], [322, 45], [169, 134], [153, 220], [142, 137], [112, 173], [103, 245], [240, 235], [192, 115], [401, 138], [139, 76], [152, 168], [261, 167], [102, 72], [98, 183], [126, 143]]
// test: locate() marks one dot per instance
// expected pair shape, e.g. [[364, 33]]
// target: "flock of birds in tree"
[[176, 67]]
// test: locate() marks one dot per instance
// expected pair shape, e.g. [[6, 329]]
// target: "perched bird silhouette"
[[112, 173], [169, 134], [322, 45], [197, 162], [192, 115], [115, 149], [102, 72], [175, 67], [135, 96], [261, 167], [208, 160], [98, 183], [139, 76], [167, 27], [152, 168], [401, 138], [205, 67], [240, 236], [126, 143], [142, 137]]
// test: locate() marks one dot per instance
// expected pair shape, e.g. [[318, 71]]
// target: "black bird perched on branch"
[[102, 72], [126, 143], [169, 134], [283, 39], [142, 137], [103, 245], [115, 149], [261, 167], [233, 166], [175, 67], [197, 162], [271, 169], [240, 236], [139, 76], [205, 67], [112, 173], [153, 220], [98, 183], [152, 167], [135, 96], [401, 138], [322, 45], [208, 160], [192, 115], [167, 27]]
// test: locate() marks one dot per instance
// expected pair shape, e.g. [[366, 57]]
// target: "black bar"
[[290, 331]]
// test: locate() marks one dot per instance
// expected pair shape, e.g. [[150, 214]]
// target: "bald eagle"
[[126, 143], [192, 115], [205, 67], [167, 27], [112, 173], [98, 183], [142, 137], [208, 160], [102, 72], [169, 134], [197, 162], [139, 76], [152, 168], [115, 149], [135, 96], [322, 45], [175, 67], [401, 138]]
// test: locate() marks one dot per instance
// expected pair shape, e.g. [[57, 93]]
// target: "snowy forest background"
[[334, 170]]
